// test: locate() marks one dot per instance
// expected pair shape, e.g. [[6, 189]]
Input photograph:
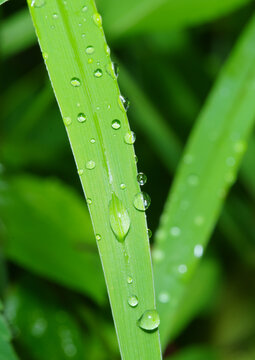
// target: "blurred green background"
[[51, 282]]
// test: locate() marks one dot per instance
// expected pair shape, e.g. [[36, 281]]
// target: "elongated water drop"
[[133, 301], [75, 82], [149, 320], [119, 218], [142, 201], [130, 137], [116, 124], [141, 178]]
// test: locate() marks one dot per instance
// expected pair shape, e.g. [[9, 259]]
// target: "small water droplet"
[[67, 121], [38, 3], [116, 69], [81, 117], [149, 232], [97, 19], [55, 16], [92, 141], [164, 297], [182, 269], [175, 231], [141, 178], [89, 50], [193, 180], [89, 201], [130, 137], [98, 237], [123, 186], [129, 280], [107, 50], [136, 159], [83, 35], [142, 201], [123, 103], [90, 61], [149, 320], [80, 172], [84, 9], [98, 73], [45, 55], [116, 124], [75, 82], [133, 301], [119, 218], [90, 165], [198, 250]]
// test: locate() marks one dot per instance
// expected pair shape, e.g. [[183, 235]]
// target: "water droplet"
[[98, 73], [38, 3], [182, 269], [149, 232], [199, 220], [55, 16], [89, 50], [90, 165], [149, 320], [164, 297], [84, 9], [89, 201], [97, 19], [142, 201], [198, 250], [230, 161], [92, 141], [116, 124], [130, 137], [123, 103], [193, 180], [136, 159], [116, 69], [80, 172], [133, 301], [45, 55], [75, 82], [175, 231], [67, 121], [83, 35], [119, 218], [90, 61], [141, 178], [129, 280], [98, 237], [107, 50], [123, 186], [81, 117]]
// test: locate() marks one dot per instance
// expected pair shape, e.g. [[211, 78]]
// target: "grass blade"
[[78, 62], [207, 170]]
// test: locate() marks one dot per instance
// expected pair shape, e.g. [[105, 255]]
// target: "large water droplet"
[[97, 19], [98, 73], [123, 103], [141, 178], [90, 165], [133, 301], [38, 3], [81, 117], [75, 82], [89, 50], [142, 201], [119, 218], [130, 137], [116, 124], [149, 320]]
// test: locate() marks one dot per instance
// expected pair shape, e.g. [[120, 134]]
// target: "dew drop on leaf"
[[129, 280], [149, 320], [89, 50], [90, 165], [133, 301], [81, 117], [75, 82], [80, 172], [119, 218], [123, 103], [98, 73], [130, 137], [67, 121], [38, 3], [97, 19], [89, 201], [98, 237], [142, 201], [141, 178], [123, 186], [116, 124], [84, 9]]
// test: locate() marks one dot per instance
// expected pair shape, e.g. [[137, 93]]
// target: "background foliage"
[[51, 281]]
